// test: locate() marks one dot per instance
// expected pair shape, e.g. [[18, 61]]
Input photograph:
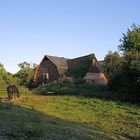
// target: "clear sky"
[[29, 29]]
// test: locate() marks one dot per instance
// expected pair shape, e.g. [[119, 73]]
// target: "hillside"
[[68, 118]]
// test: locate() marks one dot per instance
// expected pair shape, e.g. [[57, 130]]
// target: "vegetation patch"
[[83, 90], [69, 117], [80, 69]]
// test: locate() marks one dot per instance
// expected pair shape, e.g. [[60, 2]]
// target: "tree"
[[112, 67], [6, 78], [112, 63], [124, 71], [24, 66], [26, 74], [131, 40], [130, 46]]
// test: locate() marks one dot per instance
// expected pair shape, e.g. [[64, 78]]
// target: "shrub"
[[67, 80], [78, 81]]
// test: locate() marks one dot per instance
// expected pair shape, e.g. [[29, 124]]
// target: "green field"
[[68, 118]]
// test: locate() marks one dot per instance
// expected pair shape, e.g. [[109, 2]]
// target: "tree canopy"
[[131, 40], [26, 74], [124, 71], [6, 78]]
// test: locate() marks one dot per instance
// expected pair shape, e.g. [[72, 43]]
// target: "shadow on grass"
[[22, 123]]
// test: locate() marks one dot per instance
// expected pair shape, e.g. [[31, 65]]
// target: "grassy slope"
[[69, 117]]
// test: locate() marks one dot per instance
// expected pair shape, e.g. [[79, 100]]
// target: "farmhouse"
[[53, 68]]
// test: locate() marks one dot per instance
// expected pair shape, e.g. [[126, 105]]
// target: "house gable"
[[60, 63], [48, 68], [95, 74]]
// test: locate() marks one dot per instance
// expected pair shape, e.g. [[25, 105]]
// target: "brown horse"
[[13, 92]]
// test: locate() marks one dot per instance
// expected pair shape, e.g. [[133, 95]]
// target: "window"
[[46, 76]]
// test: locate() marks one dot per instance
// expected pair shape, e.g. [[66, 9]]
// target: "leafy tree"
[[130, 46], [26, 74], [112, 62], [24, 66], [6, 78], [112, 66], [131, 73], [124, 71], [131, 40], [2, 82]]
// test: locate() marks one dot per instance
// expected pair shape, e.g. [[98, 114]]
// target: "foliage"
[[80, 70], [124, 72], [113, 68], [131, 40], [131, 73], [112, 63], [6, 78], [131, 61], [78, 81], [66, 80], [85, 90], [26, 74]]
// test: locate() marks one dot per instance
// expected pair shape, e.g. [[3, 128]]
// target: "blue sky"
[[29, 29]]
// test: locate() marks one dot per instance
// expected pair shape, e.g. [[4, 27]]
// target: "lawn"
[[68, 118]]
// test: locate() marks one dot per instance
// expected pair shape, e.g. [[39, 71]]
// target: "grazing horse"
[[13, 92]]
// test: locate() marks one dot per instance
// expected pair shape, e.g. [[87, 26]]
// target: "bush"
[[68, 89], [67, 80], [84, 90], [78, 81], [23, 90]]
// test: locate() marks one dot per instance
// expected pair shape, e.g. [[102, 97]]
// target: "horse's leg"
[[15, 96], [18, 94], [12, 96], [9, 97]]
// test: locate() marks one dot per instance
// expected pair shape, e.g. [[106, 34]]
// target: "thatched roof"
[[73, 63], [64, 64], [101, 62], [95, 67], [60, 63], [78, 67]]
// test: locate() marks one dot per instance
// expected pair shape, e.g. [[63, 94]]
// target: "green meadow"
[[68, 118]]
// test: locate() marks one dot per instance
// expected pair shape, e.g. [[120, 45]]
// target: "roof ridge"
[[83, 56], [56, 56]]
